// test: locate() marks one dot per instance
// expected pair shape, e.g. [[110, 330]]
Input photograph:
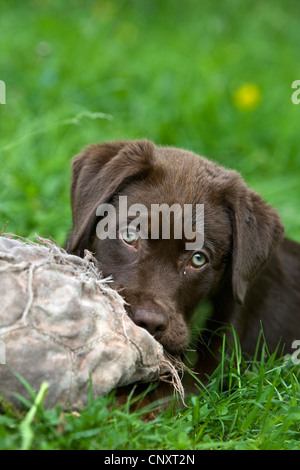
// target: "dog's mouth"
[[177, 351]]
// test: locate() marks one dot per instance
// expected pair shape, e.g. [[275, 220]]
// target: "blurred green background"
[[212, 77]]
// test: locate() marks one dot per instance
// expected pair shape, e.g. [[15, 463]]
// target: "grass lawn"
[[212, 77]]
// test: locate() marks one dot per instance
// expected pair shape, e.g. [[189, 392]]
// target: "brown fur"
[[252, 275]]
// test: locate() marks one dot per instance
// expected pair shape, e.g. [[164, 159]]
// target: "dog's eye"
[[198, 260], [130, 236]]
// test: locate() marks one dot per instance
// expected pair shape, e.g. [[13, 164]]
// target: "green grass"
[[251, 406], [78, 72]]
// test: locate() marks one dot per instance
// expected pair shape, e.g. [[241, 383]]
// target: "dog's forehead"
[[182, 177], [186, 163], [178, 177]]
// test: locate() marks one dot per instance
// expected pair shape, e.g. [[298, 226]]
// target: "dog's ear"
[[97, 173], [257, 230]]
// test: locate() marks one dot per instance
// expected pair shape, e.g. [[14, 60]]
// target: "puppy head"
[[160, 279]]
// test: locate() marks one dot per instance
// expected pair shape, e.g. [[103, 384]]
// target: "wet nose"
[[154, 322]]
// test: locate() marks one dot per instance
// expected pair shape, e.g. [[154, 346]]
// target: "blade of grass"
[[76, 120], [25, 426]]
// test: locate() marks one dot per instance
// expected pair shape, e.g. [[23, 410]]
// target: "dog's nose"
[[154, 322]]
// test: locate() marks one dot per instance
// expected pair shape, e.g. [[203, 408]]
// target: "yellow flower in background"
[[247, 97]]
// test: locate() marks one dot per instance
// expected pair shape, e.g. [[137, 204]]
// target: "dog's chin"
[[172, 347]]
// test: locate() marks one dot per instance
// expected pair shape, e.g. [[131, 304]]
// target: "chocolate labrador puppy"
[[235, 257]]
